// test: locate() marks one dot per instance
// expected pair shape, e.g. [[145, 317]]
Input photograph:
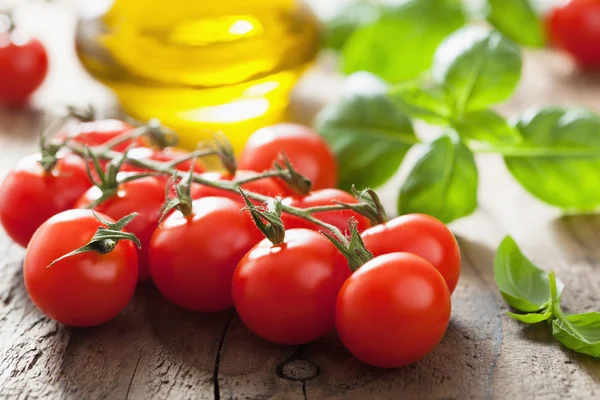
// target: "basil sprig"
[[535, 294], [553, 152]]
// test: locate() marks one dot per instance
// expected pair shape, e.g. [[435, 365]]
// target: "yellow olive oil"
[[201, 65]]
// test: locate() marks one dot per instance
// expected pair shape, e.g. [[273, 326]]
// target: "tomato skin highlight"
[[192, 259], [324, 197], [286, 293], [393, 310], [266, 186], [23, 67], [418, 234], [97, 133], [307, 151], [83, 290], [575, 28], [145, 196], [29, 195]]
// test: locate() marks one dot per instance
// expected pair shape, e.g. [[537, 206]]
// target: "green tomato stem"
[[225, 185]]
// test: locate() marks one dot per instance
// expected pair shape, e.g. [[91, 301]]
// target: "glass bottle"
[[200, 65]]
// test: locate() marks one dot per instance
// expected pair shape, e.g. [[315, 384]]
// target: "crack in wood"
[[132, 376], [217, 392]]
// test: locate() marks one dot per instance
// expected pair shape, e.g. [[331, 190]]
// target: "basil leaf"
[[581, 333], [344, 23], [486, 126], [443, 181], [524, 286], [400, 44], [517, 20], [533, 318], [370, 137], [428, 104], [477, 67], [558, 160]]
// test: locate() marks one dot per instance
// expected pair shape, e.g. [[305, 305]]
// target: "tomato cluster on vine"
[[106, 204]]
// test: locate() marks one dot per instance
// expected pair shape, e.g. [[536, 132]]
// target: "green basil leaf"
[[346, 21], [370, 137], [443, 181], [558, 160], [517, 20], [583, 334], [428, 104], [533, 318], [400, 44], [477, 67], [486, 126], [524, 286]]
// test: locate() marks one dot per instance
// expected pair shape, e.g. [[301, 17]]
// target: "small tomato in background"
[[96, 133], [23, 64], [265, 186], [324, 197], [575, 28], [393, 310], [86, 289], [308, 152]]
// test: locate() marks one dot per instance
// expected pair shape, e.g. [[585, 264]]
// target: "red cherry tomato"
[[324, 197], [393, 310], [192, 259], [99, 132], [83, 290], [167, 154], [23, 67], [266, 186], [29, 195], [306, 150], [418, 234], [286, 293], [145, 196], [575, 28]]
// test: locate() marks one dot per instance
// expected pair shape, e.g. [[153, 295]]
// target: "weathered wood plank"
[[155, 350]]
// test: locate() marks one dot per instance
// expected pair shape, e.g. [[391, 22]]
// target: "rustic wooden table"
[[155, 350]]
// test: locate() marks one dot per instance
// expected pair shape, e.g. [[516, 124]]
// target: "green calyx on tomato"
[[299, 183], [106, 238], [183, 194], [108, 179], [354, 249], [268, 221], [224, 150]]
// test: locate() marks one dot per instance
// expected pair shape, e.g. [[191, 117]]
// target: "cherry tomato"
[[393, 310], [575, 28], [192, 258], [163, 155], [99, 132], [29, 195], [23, 66], [83, 290], [307, 151], [145, 196], [324, 197], [286, 293], [418, 234], [266, 186]]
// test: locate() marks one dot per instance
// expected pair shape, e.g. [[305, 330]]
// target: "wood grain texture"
[[156, 351]]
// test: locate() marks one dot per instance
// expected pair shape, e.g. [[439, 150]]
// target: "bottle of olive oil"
[[201, 65]]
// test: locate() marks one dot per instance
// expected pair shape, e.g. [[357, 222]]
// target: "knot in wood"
[[299, 370]]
